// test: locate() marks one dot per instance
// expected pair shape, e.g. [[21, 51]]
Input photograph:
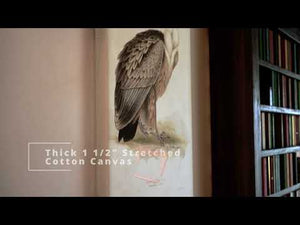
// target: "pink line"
[[163, 167], [147, 179]]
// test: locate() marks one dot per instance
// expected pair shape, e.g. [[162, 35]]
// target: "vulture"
[[144, 69]]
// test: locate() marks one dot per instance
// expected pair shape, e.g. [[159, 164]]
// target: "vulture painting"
[[144, 69]]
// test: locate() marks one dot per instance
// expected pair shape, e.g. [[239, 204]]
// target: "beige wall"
[[47, 93]]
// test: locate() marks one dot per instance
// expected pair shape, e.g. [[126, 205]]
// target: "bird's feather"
[[139, 66]]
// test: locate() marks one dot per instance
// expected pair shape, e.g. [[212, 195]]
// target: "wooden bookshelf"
[[249, 156]]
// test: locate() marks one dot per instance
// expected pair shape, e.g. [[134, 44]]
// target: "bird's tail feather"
[[127, 133]]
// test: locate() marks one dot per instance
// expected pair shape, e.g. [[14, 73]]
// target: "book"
[[284, 91], [271, 175], [260, 30], [287, 169], [277, 130], [283, 51], [290, 100], [263, 130], [282, 130], [271, 44], [283, 179], [269, 131], [267, 45], [291, 162], [279, 87], [286, 54], [296, 93], [290, 130], [279, 51], [265, 176], [274, 89], [295, 168], [286, 131], [290, 58], [278, 181], [295, 70]]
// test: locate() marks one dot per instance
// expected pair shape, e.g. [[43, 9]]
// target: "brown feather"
[[139, 66]]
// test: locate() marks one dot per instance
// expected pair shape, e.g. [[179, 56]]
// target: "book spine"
[[278, 181], [282, 172], [265, 177], [275, 45], [263, 130], [282, 52], [274, 88], [296, 169], [290, 56], [267, 45], [294, 58], [296, 94], [287, 169], [286, 132], [291, 169], [294, 130], [277, 129], [273, 130], [279, 50], [290, 131], [286, 54], [269, 131], [279, 87], [298, 129], [298, 58], [284, 94], [290, 105], [282, 130], [269, 175], [260, 43], [271, 43]]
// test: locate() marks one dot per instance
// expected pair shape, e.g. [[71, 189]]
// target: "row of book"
[[293, 194], [279, 172], [277, 49], [279, 90], [279, 130]]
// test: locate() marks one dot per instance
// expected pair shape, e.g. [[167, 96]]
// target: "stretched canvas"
[[150, 130]]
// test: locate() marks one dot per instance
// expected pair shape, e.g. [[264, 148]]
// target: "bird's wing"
[[139, 66]]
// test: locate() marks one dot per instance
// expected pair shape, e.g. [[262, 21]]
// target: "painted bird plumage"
[[143, 72]]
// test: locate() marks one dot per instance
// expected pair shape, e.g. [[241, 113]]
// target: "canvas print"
[[150, 111]]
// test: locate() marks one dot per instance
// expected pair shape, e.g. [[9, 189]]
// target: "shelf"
[[278, 151], [279, 69], [290, 34], [286, 191], [274, 109]]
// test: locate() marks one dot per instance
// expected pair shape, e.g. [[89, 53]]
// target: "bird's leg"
[[159, 136], [147, 118]]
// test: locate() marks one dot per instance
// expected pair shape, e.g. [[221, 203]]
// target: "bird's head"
[[171, 46]]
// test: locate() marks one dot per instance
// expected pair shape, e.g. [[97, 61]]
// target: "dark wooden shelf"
[[287, 31], [286, 191], [274, 109], [279, 69], [278, 151]]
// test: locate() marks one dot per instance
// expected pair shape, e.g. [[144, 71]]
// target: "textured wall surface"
[[47, 93]]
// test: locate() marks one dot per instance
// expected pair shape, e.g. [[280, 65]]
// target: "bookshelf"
[[276, 86], [255, 79]]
